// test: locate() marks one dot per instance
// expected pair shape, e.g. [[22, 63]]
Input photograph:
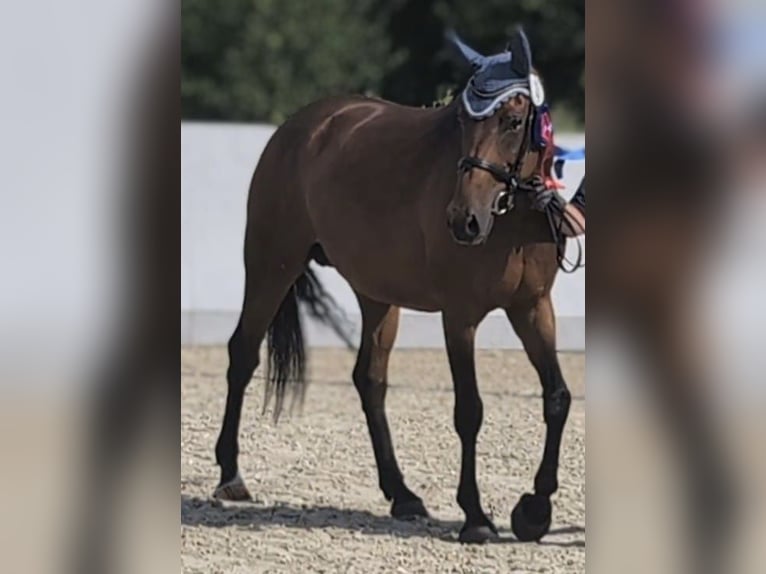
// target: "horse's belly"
[[383, 271]]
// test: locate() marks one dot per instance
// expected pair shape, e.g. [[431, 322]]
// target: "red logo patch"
[[546, 129]]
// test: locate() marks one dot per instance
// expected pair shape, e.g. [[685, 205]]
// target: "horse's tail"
[[286, 349]]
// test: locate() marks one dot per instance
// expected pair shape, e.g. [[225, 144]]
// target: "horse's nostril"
[[472, 227]]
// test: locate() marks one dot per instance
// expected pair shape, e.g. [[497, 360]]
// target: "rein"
[[561, 239], [504, 200]]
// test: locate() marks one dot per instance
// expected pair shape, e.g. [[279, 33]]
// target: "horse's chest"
[[498, 284], [480, 278]]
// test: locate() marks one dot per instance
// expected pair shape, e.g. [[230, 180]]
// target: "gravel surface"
[[317, 505]]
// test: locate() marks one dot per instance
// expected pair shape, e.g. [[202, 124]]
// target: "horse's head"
[[496, 112]]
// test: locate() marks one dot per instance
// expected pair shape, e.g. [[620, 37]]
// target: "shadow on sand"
[[208, 513]]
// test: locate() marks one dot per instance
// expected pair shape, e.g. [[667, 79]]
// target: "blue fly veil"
[[499, 77]]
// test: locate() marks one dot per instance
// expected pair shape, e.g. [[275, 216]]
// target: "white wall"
[[217, 163]]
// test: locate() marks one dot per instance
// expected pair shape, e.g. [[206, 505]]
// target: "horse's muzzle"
[[466, 229]]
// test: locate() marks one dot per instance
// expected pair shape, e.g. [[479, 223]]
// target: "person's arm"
[[574, 221], [570, 216], [574, 213]]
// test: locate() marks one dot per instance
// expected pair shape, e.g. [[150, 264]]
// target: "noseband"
[[506, 174], [504, 199]]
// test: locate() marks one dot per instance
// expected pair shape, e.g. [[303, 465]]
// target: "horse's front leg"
[[459, 334], [536, 327]]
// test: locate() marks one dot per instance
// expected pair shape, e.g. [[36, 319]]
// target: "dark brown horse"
[[373, 189]]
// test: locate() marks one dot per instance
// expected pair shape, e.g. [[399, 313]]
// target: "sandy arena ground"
[[317, 505]]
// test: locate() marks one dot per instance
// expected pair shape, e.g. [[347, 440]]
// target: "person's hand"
[[548, 197]]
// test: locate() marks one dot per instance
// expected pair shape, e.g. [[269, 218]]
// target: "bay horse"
[[371, 188]]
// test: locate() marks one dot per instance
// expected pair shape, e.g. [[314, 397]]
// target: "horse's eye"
[[512, 124]]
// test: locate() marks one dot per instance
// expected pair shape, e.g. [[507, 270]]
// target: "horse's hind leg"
[[266, 287], [379, 325], [536, 327]]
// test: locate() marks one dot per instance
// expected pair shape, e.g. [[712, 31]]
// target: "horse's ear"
[[469, 54], [521, 53]]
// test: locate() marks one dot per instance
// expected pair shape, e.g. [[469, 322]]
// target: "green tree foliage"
[[260, 60]]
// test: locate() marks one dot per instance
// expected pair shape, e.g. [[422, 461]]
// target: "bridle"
[[508, 175]]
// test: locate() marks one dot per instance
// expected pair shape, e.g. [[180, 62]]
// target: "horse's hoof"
[[478, 534], [408, 509], [234, 490], [531, 517]]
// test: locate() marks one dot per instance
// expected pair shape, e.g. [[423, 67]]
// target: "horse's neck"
[[445, 126], [442, 132]]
